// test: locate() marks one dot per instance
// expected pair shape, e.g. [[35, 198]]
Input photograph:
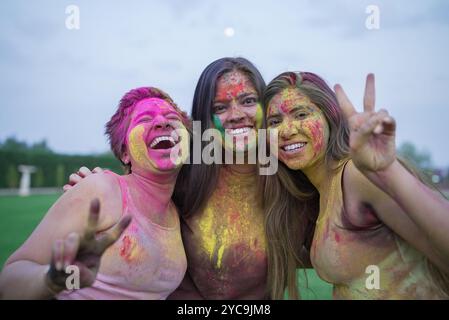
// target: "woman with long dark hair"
[[222, 226]]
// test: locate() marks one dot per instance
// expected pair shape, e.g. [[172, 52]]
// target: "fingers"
[[58, 255], [387, 126], [114, 234], [92, 220], [97, 170], [84, 172], [345, 104], [370, 94], [376, 124], [74, 179], [71, 245]]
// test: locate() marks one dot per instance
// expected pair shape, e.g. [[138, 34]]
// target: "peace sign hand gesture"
[[372, 134], [82, 251]]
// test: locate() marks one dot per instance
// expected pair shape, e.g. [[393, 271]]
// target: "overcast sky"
[[63, 85]]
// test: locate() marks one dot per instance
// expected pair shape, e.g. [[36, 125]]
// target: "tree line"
[[52, 169]]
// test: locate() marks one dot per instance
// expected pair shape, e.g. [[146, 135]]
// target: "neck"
[[319, 175], [242, 168], [155, 187]]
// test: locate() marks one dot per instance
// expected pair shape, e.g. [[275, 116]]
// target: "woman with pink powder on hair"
[[145, 261]]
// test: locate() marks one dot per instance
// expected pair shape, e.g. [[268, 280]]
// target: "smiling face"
[[237, 112], [302, 128], [154, 135]]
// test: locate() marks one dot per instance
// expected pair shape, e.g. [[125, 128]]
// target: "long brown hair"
[[281, 213], [196, 182], [290, 205], [290, 201]]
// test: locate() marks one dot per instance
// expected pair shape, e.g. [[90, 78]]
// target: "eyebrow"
[[240, 96], [150, 114], [145, 113], [296, 108]]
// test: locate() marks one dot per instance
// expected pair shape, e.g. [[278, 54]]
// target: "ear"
[[125, 158]]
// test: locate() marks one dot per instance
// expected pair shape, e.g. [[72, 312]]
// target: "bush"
[[12, 177]]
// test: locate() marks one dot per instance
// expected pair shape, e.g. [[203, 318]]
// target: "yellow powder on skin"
[[229, 221], [138, 149], [206, 225]]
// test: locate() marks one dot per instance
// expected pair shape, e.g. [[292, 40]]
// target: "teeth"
[[294, 146], [162, 138], [239, 130]]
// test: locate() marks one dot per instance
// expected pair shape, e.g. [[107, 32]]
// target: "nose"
[[287, 130], [161, 123], [236, 115]]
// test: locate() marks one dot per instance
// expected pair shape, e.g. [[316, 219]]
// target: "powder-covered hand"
[[83, 251], [372, 134]]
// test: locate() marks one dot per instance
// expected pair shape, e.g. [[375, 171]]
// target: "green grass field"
[[20, 215]]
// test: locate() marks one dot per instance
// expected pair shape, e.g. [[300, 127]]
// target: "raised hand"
[[83, 251], [372, 134]]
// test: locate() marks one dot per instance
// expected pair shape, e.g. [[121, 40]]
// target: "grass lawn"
[[20, 215], [18, 218]]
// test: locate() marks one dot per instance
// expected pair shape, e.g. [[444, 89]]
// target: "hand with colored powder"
[[372, 134], [83, 251]]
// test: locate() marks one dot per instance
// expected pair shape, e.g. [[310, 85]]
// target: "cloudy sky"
[[63, 85]]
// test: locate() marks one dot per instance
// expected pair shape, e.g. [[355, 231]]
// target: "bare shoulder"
[[359, 186], [106, 188]]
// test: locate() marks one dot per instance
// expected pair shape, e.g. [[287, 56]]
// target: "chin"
[[167, 166], [293, 164]]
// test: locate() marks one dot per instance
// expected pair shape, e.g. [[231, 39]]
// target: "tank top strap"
[[123, 189]]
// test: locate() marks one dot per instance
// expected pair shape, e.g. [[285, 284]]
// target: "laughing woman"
[[376, 217], [145, 261]]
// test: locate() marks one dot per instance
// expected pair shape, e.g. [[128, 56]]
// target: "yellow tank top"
[[373, 263]]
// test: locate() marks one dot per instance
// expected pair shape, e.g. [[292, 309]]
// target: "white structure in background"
[[25, 180]]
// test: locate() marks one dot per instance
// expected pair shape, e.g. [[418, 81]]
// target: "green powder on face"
[[218, 124], [259, 116]]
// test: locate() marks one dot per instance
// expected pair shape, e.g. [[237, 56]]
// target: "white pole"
[[25, 180]]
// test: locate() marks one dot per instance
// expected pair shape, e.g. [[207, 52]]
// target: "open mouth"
[[164, 142], [239, 131], [294, 147]]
